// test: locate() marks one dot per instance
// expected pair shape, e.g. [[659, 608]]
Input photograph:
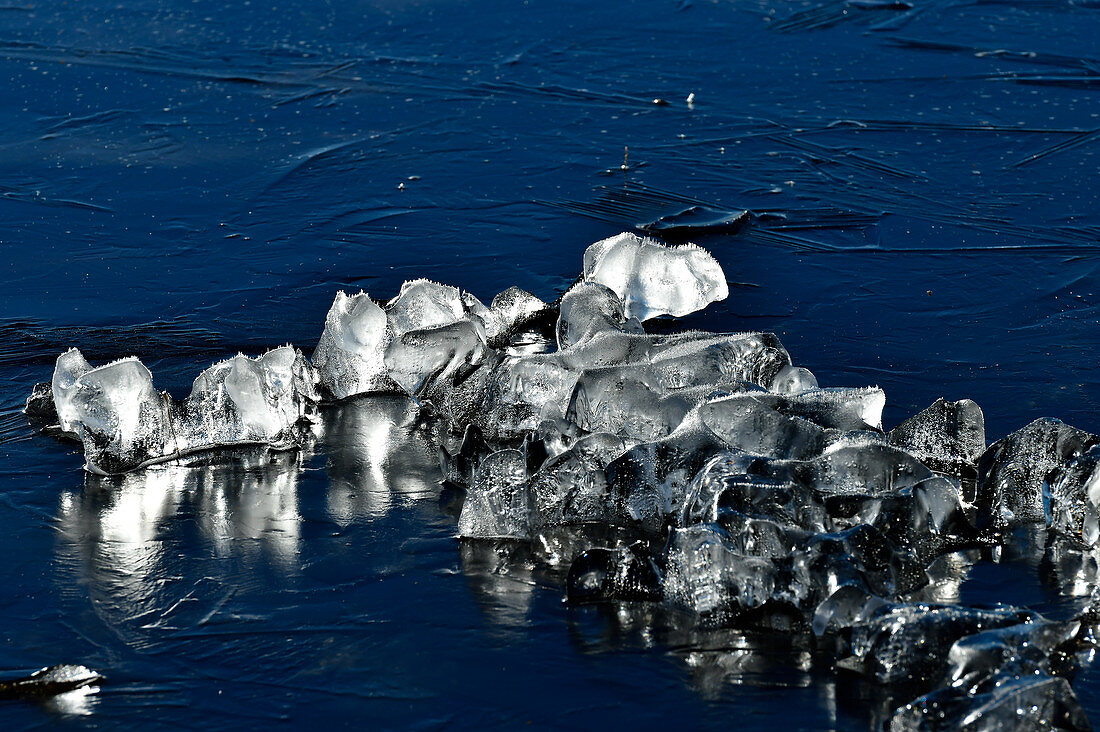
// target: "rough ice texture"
[[704, 471], [122, 420], [509, 312], [425, 362], [497, 503], [350, 357], [125, 423], [424, 304], [249, 400], [652, 279], [1075, 498], [1013, 470]]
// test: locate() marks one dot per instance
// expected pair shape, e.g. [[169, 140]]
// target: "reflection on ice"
[[124, 532], [377, 450], [76, 703], [501, 576], [253, 499]]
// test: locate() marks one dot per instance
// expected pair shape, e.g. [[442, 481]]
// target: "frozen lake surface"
[[184, 181]]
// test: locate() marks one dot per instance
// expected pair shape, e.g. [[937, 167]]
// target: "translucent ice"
[[1013, 469], [350, 357], [882, 646], [1035, 702], [652, 279], [698, 359], [589, 308], [426, 362], [509, 312], [123, 421], [626, 403], [927, 518], [793, 380], [842, 409], [497, 504], [523, 392], [650, 480], [745, 423], [727, 483], [249, 400], [424, 304], [706, 574], [70, 366], [605, 574], [866, 469], [1075, 498], [948, 437], [571, 487]]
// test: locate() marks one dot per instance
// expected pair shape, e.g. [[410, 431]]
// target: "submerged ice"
[[705, 472]]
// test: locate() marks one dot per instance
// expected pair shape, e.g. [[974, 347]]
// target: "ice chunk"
[[948, 437], [423, 304], [1019, 650], [861, 557], [845, 608], [521, 393], [497, 504], [49, 682], [350, 357], [589, 308], [126, 424], [242, 400], [726, 484], [927, 518], [607, 348], [40, 409], [510, 312], [705, 574], [625, 402], [571, 487], [70, 366], [652, 279], [865, 469], [882, 647], [1012, 470], [425, 363], [1075, 498], [123, 421], [836, 408], [699, 359], [793, 380], [619, 574], [946, 432], [744, 423], [649, 481], [1035, 702]]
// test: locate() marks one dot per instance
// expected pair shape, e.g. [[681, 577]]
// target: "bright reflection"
[[125, 534], [501, 575], [77, 703], [378, 453]]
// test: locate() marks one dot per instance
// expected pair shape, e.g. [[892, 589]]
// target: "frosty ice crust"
[[704, 471]]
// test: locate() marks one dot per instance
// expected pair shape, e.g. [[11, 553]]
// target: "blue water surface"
[[184, 180]]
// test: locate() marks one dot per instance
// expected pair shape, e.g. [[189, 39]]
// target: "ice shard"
[[350, 357], [652, 279]]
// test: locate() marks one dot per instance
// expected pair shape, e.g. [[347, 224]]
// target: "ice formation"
[[704, 472], [126, 424], [652, 279]]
